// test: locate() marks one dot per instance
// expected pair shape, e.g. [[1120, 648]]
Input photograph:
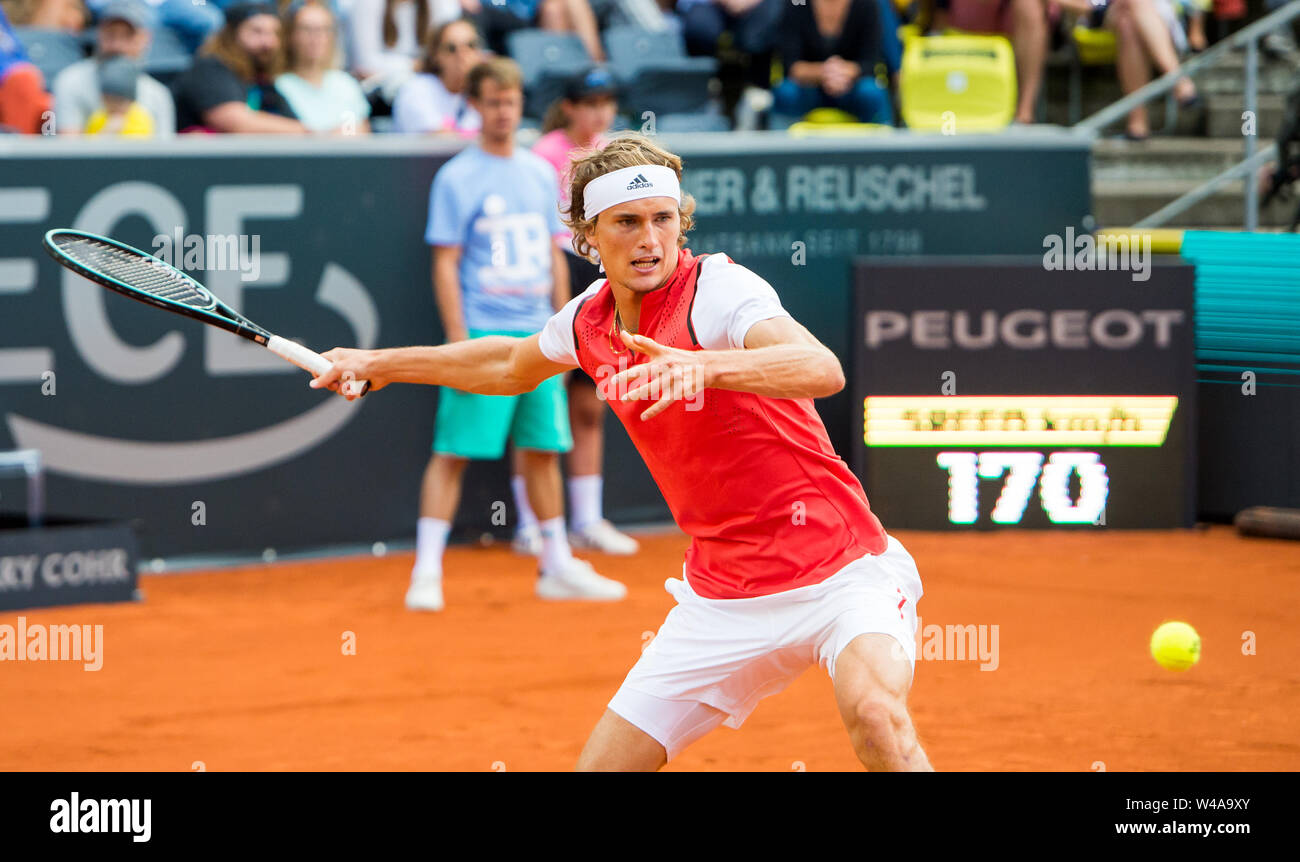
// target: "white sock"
[[585, 494], [430, 542], [527, 520], [555, 545]]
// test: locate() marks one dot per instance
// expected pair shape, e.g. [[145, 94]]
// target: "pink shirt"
[[556, 148]]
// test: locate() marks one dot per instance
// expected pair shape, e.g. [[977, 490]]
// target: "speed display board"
[[996, 393]]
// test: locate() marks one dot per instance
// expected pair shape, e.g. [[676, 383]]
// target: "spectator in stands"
[[387, 38], [1024, 22], [68, 16], [754, 25], [230, 87], [497, 20], [120, 114], [497, 270], [433, 102], [191, 20], [829, 49], [1195, 11], [125, 28], [322, 97], [575, 123], [24, 104], [1146, 34]]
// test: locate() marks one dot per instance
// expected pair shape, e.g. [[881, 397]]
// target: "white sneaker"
[[578, 580], [424, 594], [604, 537], [528, 542]]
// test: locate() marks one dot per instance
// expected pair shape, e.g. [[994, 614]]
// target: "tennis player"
[[714, 381]]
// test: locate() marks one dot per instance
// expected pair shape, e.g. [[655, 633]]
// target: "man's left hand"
[[670, 375]]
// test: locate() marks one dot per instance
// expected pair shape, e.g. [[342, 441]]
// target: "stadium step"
[[1230, 78], [1123, 202], [1224, 114], [1166, 158]]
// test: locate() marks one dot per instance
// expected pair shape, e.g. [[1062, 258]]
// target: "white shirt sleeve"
[[556, 340], [729, 299]]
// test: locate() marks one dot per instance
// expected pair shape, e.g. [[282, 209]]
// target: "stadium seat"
[[51, 51], [167, 56], [834, 122], [548, 61], [973, 77], [908, 32], [655, 74], [1094, 47]]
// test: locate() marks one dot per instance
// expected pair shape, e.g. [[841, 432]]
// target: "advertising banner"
[[998, 393]]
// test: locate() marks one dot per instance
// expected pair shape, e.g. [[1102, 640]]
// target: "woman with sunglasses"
[[433, 101]]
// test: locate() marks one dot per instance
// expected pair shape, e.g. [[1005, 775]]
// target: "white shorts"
[[729, 654]]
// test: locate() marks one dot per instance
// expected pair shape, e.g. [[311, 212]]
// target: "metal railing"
[[1247, 37]]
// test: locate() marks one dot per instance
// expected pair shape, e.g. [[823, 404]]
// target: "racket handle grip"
[[310, 360]]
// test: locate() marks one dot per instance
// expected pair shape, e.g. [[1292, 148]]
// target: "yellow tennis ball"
[[1175, 646]]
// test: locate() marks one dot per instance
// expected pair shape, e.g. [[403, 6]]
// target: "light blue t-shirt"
[[336, 102], [504, 214]]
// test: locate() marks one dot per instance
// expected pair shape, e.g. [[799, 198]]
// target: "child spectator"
[[120, 113], [125, 28]]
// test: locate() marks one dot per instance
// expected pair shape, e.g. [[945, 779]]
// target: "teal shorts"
[[469, 425]]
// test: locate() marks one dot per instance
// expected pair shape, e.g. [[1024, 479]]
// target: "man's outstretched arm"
[[494, 365]]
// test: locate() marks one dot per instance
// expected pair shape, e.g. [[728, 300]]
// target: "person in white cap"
[[715, 382], [125, 29]]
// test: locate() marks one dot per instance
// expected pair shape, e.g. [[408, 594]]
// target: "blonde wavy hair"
[[624, 151]]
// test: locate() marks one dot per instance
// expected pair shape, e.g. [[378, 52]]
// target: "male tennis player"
[[787, 566]]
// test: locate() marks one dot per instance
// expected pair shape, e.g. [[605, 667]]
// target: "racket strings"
[[143, 273]]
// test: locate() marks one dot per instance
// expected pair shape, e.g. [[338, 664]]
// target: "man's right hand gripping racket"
[[144, 277]]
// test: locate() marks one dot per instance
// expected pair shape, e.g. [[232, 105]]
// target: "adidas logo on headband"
[[629, 184]]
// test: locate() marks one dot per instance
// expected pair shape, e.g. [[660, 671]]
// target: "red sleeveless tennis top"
[[753, 480]]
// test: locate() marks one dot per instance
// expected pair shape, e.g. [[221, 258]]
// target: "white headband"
[[629, 184]]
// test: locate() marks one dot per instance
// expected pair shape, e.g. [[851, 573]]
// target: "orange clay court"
[[244, 669]]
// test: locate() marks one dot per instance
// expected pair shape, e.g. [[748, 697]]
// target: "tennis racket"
[[144, 277]]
